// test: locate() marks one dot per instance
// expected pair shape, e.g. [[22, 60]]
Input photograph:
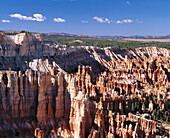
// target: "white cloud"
[[59, 20], [83, 21], [39, 17], [138, 21], [119, 22], [5, 21], [101, 19], [125, 21], [128, 2], [36, 17]]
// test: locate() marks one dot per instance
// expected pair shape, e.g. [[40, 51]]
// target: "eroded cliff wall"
[[47, 90]]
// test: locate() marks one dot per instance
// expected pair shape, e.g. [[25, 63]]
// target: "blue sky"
[[88, 17]]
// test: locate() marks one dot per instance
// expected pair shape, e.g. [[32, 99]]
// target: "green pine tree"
[[154, 114], [133, 107]]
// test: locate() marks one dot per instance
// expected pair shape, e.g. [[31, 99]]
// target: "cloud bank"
[[39, 17]]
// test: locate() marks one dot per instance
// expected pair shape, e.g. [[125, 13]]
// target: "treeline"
[[103, 42], [15, 33], [157, 113]]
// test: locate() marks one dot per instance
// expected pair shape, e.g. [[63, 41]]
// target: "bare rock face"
[[81, 115], [47, 90], [23, 38], [94, 134]]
